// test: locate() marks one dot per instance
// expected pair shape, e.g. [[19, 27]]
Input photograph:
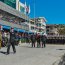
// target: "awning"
[[15, 29], [20, 30], [6, 27], [30, 32], [26, 31]]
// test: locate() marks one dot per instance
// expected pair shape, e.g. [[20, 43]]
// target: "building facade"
[[10, 17], [15, 4], [38, 25], [11, 3], [20, 6], [51, 29]]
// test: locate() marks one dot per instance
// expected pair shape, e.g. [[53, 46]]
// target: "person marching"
[[33, 40], [43, 39], [11, 42], [38, 38]]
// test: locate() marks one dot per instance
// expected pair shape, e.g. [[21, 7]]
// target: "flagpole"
[[25, 19], [25, 11], [29, 18], [34, 10], [34, 13]]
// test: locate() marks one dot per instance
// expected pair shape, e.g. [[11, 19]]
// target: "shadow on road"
[[2, 52], [62, 61], [60, 49]]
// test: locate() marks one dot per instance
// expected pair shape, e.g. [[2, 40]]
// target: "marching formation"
[[40, 39]]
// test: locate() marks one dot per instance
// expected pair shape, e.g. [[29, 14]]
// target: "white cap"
[[45, 34]]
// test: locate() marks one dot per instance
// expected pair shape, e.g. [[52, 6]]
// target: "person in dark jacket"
[[43, 39], [11, 42], [38, 38], [33, 40]]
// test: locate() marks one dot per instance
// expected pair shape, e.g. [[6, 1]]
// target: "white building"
[[35, 25], [52, 29], [38, 25]]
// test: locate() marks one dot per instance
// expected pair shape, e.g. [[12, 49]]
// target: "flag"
[[25, 7], [29, 9]]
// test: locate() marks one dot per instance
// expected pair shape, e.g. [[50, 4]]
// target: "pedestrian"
[[43, 39], [38, 38], [11, 42], [33, 40]]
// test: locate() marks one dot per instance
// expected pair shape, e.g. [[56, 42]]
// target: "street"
[[26, 55]]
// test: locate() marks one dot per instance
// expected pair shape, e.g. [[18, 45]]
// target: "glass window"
[[32, 28]]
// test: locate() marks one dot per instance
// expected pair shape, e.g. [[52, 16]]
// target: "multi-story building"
[[51, 29], [32, 25], [10, 17], [11, 3], [38, 25], [15, 4], [20, 6]]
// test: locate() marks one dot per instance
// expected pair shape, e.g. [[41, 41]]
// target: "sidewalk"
[[33, 56]]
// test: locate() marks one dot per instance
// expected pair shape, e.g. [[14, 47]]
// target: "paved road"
[[32, 56]]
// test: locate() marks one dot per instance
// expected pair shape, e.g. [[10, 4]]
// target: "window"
[[32, 23], [32, 28], [38, 24]]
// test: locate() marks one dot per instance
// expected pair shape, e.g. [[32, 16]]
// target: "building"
[[32, 26], [20, 6], [10, 17], [24, 8], [15, 4], [11, 3], [51, 29], [38, 25]]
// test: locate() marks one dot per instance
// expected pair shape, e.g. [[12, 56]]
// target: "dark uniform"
[[33, 40], [43, 39], [11, 42], [38, 38]]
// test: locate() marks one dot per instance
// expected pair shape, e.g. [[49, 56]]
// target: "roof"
[[39, 18]]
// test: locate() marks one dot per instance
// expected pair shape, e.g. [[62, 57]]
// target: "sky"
[[52, 10]]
